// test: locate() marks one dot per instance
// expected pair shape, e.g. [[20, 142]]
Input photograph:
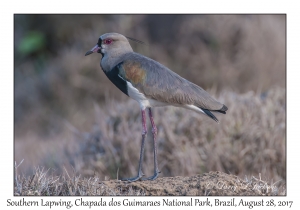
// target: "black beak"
[[88, 53], [94, 49]]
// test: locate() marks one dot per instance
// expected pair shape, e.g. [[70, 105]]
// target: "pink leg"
[[144, 134], [154, 132]]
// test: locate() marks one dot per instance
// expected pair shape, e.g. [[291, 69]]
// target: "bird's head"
[[112, 44]]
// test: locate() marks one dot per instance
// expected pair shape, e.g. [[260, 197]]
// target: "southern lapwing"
[[151, 84]]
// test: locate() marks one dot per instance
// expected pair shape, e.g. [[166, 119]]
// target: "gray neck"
[[111, 59]]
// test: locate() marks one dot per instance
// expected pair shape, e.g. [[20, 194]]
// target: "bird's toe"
[[155, 175], [133, 179]]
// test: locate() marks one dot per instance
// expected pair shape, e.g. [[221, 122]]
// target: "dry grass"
[[41, 183], [249, 140]]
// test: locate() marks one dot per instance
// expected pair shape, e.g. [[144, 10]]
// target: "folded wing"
[[158, 82]]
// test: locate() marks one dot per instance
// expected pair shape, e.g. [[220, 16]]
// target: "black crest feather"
[[135, 40]]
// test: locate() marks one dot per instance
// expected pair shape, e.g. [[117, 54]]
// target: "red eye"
[[107, 41]]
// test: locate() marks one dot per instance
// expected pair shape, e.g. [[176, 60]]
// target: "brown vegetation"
[[249, 140], [213, 183], [232, 52]]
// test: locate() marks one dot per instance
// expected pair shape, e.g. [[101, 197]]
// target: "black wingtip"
[[208, 113], [223, 109]]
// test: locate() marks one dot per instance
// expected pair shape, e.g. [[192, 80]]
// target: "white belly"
[[141, 98]]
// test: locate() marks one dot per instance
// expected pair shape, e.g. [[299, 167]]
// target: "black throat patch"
[[99, 44], [115, 76]]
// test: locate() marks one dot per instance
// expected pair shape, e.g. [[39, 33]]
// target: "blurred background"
[[69, 116]]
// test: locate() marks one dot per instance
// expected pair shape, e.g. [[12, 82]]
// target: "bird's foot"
[[155, 175], [133, 179]]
